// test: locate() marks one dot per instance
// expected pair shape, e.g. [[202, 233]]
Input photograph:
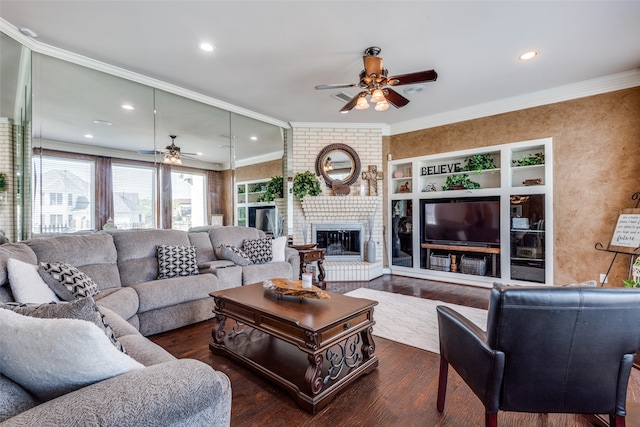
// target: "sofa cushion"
[[137, 252], [51, 357], [26, 283], [237, 256], [279, 249], [66, 281], [258, 250], [233, 235], [94, 254], [259, 272], [204, 248], [124, 301], [214, 265], [15, 399], [18, 251], [163, 293], [83, 309], [176, 261]]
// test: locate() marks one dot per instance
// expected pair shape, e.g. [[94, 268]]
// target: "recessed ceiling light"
[[529, 55], [207, 47], [128, 107], [254, 138], [88, 135], [102, 122]]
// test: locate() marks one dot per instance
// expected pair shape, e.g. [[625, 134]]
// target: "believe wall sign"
[[440, 169]]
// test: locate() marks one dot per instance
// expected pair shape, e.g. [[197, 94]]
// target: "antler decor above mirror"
[[338, 162]]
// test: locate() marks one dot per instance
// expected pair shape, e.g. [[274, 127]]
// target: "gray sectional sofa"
[[135, 303]]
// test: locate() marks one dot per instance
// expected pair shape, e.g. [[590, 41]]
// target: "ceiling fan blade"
[[394, 98], [372, 65], [149, 152], [411, 78], [352, 103], [336, 86]]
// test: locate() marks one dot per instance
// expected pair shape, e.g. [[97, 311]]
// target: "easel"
[[615, 249]]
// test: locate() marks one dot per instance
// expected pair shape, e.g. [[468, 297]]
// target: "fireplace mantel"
[[340, 208]]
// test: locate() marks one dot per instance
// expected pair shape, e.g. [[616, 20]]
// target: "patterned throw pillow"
[[235, 255], [259, 250], [68, 282], [176, 261], [83, 309]]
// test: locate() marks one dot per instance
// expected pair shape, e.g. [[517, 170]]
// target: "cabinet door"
[[402, 233], [527, 237]]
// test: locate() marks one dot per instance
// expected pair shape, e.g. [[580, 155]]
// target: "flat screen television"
[[464, 221]]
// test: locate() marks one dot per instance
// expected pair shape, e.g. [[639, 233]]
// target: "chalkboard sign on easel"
[[626, 236]]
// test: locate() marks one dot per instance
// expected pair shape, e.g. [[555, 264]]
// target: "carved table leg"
[[321, 274], [368, 346], [313, 374], [217, 333]]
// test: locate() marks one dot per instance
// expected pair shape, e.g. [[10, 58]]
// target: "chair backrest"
[[566, 349]]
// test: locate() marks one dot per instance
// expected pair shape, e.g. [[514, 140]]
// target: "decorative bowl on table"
[[304, 246], [293, 288]]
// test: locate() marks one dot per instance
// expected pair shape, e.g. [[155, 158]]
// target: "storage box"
[[469, 265], [440, 262]]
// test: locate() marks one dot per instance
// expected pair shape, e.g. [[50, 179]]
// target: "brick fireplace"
[[355, 208]]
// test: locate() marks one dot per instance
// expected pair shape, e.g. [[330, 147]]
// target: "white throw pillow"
[[279, 245], [51, 357], [26, 284]]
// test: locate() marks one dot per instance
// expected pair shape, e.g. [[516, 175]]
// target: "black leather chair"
[[546, 350]]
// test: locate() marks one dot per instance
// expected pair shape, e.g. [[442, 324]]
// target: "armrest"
[[292, 256], [178, 392], [463, 345]]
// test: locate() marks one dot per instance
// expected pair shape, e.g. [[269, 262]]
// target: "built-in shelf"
[[521, 256]]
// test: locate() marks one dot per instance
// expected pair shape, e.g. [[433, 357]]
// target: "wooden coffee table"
[[313, 348]]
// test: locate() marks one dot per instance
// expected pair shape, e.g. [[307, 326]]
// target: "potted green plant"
[[2, 181], [530, 160], [478, 163], [305, 184], [273, 190], [459, 182]]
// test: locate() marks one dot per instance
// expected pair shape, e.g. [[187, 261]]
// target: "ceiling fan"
[[374, 81], [171, 153]]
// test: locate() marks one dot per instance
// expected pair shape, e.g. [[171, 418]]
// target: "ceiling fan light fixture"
[[172, 159], [362, 103], [377, 96], [382, 105]]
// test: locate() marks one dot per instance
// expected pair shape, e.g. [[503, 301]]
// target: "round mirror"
[[338, 162]]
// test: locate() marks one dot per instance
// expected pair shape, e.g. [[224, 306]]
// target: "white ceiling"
[[270, 54]]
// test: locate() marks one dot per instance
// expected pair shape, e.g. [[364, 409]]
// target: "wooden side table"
[[311, 255]]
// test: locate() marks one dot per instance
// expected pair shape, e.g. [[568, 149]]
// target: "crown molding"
[[384, 128], [567, 92]]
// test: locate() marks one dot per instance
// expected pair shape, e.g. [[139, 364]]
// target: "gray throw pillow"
[[67, 281], [259, 250], [235, 255], [176, 261], [83, 309]]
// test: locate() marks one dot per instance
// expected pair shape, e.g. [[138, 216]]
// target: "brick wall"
[[307, 142], [7, 216]]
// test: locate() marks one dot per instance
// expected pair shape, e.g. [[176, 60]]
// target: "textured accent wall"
[[596, 151]]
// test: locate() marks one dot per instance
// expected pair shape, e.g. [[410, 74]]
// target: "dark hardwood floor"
[[401, 392]]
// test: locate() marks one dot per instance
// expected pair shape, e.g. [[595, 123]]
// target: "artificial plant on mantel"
[[305, 184]]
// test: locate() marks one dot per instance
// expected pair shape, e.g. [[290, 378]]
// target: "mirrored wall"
[[106, 151]]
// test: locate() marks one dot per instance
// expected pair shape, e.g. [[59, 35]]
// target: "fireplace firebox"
[[343, 242]]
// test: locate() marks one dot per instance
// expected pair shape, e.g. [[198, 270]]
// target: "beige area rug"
[[412, 320]]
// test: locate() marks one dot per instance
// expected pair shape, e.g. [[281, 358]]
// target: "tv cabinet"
[[518, 174]]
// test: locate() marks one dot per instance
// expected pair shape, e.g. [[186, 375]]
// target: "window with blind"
[[188, 207], [53, 179], [134, 196]]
